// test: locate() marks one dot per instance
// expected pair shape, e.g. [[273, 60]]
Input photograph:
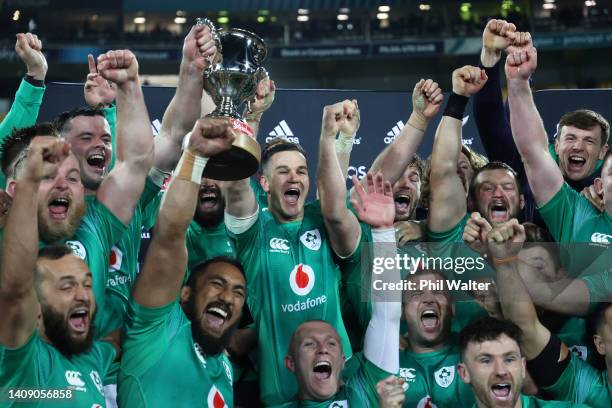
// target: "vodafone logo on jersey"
[[215, 398], [115, 258], [302, 279]]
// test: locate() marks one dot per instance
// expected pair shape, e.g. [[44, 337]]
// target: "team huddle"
[[248, 282]]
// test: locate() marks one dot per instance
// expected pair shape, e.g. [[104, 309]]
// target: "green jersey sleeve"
[[564, 213], [453, 235], [148, 332], [110, 113], [582, 384], [361, 387], [23, 113], [598, 279]]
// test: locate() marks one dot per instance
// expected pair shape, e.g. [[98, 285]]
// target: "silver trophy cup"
[[231, 81]]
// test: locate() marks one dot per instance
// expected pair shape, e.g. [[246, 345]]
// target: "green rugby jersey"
[[433, 377], [532, 402], [162, 366], [291, 277], [123, 258], [572, 219], [40, 366], [205, 243], [99, 230], [359, 391], [582, 384]]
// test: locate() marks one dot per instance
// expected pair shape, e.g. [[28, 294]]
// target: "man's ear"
[[557, 142], [185, 293], [521, 201], [600, 345], [463, 373], [289, 363], [604, 150], [598, 184], [10, 188], [263, 182], [523, 367]]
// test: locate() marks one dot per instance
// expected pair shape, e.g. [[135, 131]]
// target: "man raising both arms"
[[174, 352], [56, 351], [315, 352]]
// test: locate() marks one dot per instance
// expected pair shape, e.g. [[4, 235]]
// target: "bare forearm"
[[527, 128], [239, 198], [182, 112], [330, 182], [20, 243], [177, 209], [134, 135], [446, 149], [515, 300], [394, 159]]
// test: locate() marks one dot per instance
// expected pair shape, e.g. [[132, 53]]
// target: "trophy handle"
[[215, 36]]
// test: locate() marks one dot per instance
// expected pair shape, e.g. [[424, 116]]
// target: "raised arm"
[[528, 130], [376, 208], [448, 195], [426, 99], [340, 223], [505, 242], [264, 97], [28, 98], [185, 107], [121, 189], [162, 275], [18, 300], [489, 112]]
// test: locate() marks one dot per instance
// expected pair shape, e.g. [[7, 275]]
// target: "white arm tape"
[[238, 225]]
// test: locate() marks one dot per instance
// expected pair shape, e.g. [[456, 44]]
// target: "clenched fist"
[[521, 65], [29, 49], [426, 98], [118, 66], [335, 117], [468, 80], [44, 156], [497, 35], [211, 136], [199, 47]]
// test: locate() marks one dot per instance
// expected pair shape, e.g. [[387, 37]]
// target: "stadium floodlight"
[[303, 11], [384, 9], [342, 17], [16, 15], [344, 10], [180, 20], [140, 20], [382, 16], [590, 3], [261, 19], [424, 7], [303, 18], [223, 20], [549, 1], [549, 6]]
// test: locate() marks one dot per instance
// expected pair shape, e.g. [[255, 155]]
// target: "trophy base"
[[240, 162]]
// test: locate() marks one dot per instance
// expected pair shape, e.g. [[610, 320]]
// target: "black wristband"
[[456, 106], [545, 369], [33, 81]]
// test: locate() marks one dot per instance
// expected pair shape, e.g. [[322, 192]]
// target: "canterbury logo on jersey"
[[283, 130], [279, 245], [601, 238], [155, 127], [339, 404], [215, 398], [74, 379], [408, 374]]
